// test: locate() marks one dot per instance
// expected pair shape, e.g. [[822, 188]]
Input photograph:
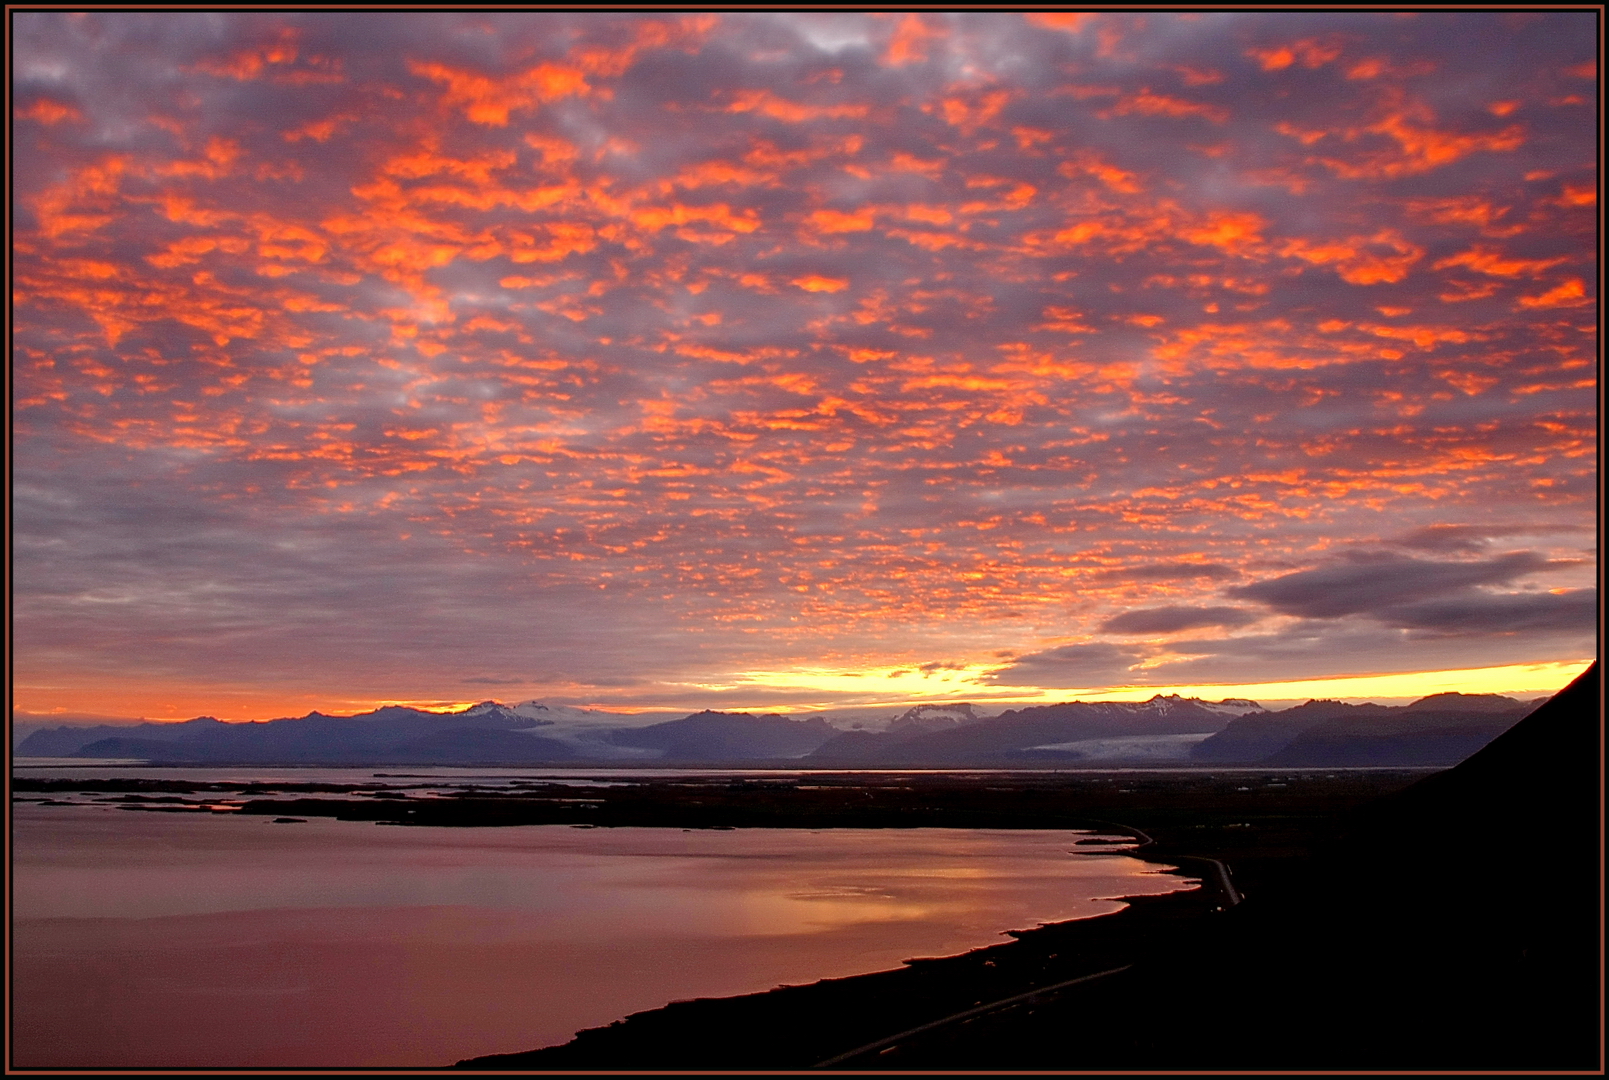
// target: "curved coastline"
[[833, 1023], [1187, 823]]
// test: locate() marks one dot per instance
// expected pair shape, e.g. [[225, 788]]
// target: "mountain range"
[[1166, 730]]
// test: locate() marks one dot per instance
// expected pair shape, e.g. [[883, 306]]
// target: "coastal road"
[[1226, 888], [1219, 878], [955, 1018]]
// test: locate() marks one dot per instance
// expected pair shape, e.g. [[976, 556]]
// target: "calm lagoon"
[[146, 939]]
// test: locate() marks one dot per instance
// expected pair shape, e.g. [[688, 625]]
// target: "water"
[[178, 940]]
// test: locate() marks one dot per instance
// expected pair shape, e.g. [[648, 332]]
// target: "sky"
[[799, 361]]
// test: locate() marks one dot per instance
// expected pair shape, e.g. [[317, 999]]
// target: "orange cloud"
[[1465, 210], [1232, 233], [687, 33], [1585, 195], [48, 112], [1384, 257], [720, 215], [1116, 179], [817, 283], [320, 130], [1420, 148], [972, 112], [487, 100], [1311, 54], [1070, 22], [1494, 264], [909, 43], [834, 221], [1148, 104], [423, 302], [1572, 293], [766, 103]]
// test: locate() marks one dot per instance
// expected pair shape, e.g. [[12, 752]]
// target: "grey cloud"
[[1484, 613], [138, 580], [1471, 538], [1472, 629], [1327, 649], [1167, 620], [35, 720], [1093, 664], [1371, 583], [1448, 538]]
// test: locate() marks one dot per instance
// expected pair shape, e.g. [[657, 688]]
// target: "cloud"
[[1172, 571], [1457, 539], [1462, 539], [354, 350], [1572, 610], [1092, 664], [1329, 648], [1168, 620], [1370, 583], [35, 720]]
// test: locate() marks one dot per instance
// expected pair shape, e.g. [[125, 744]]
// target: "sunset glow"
[[788, 361]]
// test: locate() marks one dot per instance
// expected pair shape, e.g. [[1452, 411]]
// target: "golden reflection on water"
[[162, 940]]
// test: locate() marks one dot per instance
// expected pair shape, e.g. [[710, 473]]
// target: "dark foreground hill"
[[1454, 925], [1442, 730]]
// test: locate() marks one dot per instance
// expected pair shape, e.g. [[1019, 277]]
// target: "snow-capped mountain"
[[1166, 729]]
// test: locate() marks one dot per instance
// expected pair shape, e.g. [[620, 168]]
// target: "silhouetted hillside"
[[716, 736], [1439, 730], [393, 734], [1455, 926], [1249, 739], [480, 746], [70, 739], [150, 749]]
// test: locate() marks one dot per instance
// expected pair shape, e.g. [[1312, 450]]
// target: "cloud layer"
[[608, 357]]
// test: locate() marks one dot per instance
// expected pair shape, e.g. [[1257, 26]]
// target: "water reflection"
[[340, 943]]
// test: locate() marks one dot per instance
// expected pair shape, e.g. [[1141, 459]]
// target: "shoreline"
[[1262, 828], [833, 1018]]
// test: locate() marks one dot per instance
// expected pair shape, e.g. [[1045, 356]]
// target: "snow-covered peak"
[[935, 717], [1164, 703], [570, 715], [1232, 706]]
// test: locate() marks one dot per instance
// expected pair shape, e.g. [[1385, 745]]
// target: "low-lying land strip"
[[1258, 823], [1241, 817]]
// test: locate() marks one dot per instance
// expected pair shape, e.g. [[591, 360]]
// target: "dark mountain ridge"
[[391, 734], [1438, 730], [716, 736], [1442, 729], [1004, 739]]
